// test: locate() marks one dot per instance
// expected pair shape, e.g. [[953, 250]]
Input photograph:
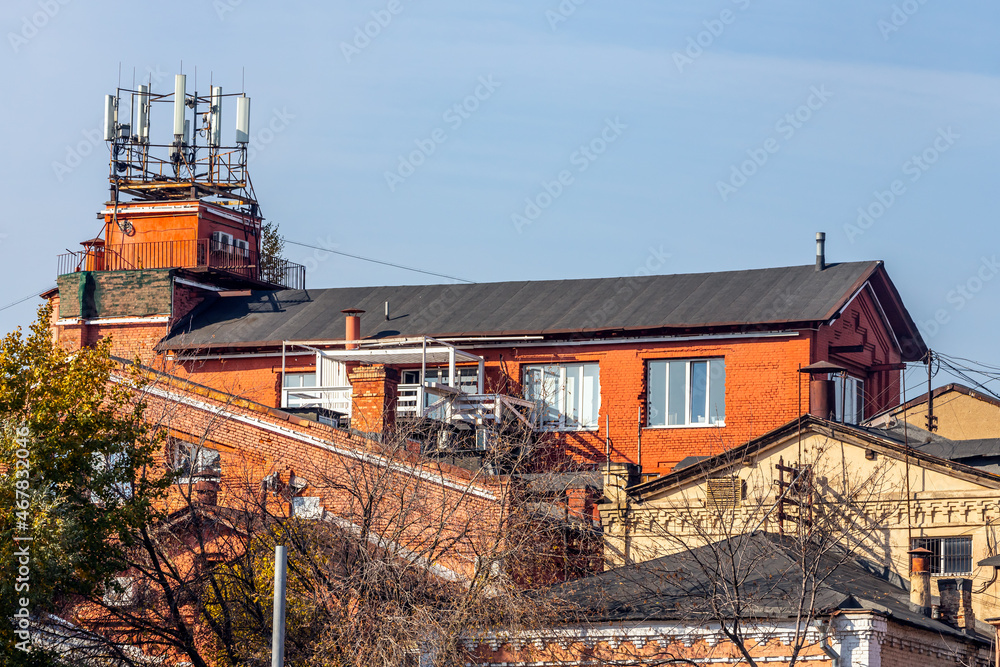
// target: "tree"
[[75, 488], [272, 245], [394, 565]]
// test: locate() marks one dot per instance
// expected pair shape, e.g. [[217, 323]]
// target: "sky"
[[510, 140]]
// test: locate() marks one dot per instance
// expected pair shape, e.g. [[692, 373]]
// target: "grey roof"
[[776, 296], [982, 453], [680, 586]]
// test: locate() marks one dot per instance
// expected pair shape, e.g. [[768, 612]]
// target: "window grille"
[[949, 555]]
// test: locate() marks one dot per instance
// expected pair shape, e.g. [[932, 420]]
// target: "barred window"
[[949, 555]]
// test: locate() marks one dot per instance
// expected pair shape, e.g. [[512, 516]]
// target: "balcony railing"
[[440, 402], [200, 253]]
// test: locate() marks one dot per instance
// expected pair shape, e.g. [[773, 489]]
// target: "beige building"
[[863, 487], [960, 413]]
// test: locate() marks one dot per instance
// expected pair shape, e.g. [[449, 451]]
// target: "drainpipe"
[[824, 642]]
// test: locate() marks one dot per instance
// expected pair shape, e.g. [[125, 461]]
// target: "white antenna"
[[180, 88], [242, 119], [142, 115], [215, 135], [110, 116]]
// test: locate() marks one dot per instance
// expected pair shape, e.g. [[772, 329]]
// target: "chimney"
[[820, 251], [374, 391], [353, 328], [822, 393], [956, 603], [206, 492], [920, 581]]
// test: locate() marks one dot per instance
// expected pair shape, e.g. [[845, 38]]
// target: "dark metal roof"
[[790, 295], [683, 586]]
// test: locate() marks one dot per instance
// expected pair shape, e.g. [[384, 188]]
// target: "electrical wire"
[[30, 296], [377, 261]]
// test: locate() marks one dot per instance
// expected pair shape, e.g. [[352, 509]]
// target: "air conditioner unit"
[[242, 248], [221, 241]]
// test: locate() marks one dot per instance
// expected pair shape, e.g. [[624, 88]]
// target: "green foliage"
[[88, 484]]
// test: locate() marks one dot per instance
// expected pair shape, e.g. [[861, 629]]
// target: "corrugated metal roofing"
[[729, 298]]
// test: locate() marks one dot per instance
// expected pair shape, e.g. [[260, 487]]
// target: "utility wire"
[[30, 296], [377, 261]]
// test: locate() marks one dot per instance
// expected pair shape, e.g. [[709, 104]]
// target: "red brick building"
[[644, 370]]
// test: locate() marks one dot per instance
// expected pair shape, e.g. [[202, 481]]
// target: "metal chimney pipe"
[[920, 580], [820, 251], [352, 331]]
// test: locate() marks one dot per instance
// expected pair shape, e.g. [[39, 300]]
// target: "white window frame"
[[559, 399], [710, 420], [857, 386]]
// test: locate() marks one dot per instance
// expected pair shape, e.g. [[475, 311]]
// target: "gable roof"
[[728, 300], [889, 441], [671, 587]]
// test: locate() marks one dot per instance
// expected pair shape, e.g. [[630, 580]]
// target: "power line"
[[377, 261], [30, 296]]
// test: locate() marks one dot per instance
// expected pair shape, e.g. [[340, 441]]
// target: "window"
[[849, 406], [687, 392], [196, 462], [949, 555], [468, 377], [568, 395], [299, 381]]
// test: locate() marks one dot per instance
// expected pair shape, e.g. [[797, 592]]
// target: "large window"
[[949, 555], [302, 381], [568, 395], [849, 399], [687, 392]]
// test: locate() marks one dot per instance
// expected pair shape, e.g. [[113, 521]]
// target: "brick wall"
[[91, 295], [394, 492]]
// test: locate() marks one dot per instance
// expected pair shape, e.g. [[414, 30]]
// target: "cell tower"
[[190, 163], [181, 199]]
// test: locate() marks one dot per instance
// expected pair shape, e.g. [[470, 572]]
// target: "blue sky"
[[720, 135]]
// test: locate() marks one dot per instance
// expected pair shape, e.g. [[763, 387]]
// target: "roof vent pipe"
[[920, 580], [352, 331], [820, 251]]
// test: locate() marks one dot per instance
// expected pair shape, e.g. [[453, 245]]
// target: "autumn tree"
[[75, 488]]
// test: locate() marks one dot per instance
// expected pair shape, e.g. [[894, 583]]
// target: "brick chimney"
[[920, 580], [373, 398], [580, 503], [956, 603]]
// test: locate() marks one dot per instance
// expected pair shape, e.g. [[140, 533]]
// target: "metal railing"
[[200, 253], [337, 399]]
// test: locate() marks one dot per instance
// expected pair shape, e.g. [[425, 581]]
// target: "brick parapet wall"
[[341, 468]]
